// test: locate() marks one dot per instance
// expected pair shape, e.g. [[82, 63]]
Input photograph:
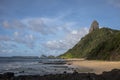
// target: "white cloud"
[[7, 46], [69, 40], [44, 26], [16, 33], [15, 24], [4, 38], [31, 37], [67, 26], [74, 32], [59, 35], [38, 25], [75, 35], [55, 45], [4, 51], [27, 39]]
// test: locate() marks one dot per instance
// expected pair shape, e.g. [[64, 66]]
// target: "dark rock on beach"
[[111, 75], [7, 76]]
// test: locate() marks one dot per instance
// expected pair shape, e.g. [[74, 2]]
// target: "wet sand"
[[93, 66]]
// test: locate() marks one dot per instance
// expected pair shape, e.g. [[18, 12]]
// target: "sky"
[[51, 27]]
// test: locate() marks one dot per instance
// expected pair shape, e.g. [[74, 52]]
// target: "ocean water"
[[24, 66]]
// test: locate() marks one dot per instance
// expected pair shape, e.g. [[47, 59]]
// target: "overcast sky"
[[51, 27]]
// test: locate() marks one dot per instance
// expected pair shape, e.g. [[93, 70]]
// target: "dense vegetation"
[[102, 44]]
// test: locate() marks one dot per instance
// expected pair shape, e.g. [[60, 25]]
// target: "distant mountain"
[[98, 44]]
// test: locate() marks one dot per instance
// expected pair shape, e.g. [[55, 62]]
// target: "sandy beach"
[[93, 66]]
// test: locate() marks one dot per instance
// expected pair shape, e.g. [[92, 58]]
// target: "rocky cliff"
[[94, 26]]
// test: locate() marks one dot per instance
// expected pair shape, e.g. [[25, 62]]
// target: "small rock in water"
[[65, 72]]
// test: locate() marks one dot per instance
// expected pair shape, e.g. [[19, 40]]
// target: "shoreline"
[[93, 66], [81, 69]]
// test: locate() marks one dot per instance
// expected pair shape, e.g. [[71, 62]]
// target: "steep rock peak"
[[94, 26]]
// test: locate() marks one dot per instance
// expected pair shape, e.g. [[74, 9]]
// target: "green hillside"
[[102, 44]]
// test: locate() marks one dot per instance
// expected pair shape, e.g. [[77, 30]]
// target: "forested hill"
[[98, 44]]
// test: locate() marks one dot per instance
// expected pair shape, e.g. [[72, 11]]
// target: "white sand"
[[94, 66]]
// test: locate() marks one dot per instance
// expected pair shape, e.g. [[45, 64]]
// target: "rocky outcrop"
[[94, 26], [111, 75]]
